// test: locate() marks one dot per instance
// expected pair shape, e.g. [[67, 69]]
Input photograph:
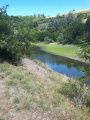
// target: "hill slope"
[[30, 92], [85, 11]]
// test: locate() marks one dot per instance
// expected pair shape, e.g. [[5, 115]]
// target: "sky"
[[48, 7]]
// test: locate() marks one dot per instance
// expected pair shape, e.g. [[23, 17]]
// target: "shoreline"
[[76, 59]]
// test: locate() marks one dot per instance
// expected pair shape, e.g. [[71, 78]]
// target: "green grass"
[[1, 118], [16, 100], [67, 50], [11, 82], [2, 76]]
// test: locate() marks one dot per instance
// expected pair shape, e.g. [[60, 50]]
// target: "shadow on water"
[[63, 65]]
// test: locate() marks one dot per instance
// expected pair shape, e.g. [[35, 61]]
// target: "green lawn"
[[68, 50]]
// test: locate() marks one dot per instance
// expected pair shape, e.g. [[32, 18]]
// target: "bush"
[[48, 40], [11, 82], [13, 44], [60, 38], [16, 100], [77, 91]]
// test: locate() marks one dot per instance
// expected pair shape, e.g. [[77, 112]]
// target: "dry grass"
[[87, 11], [30, 92]]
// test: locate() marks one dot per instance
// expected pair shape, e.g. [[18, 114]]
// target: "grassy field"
[[67, 50], [31, 92]]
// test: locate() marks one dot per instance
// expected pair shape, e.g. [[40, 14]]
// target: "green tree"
[[48, 40], [60, 38], [85, 49], [69, 18], [13, 44], [87, 30]]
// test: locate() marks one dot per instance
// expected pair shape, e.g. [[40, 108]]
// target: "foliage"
[[43, 27], [60, 38], [79, 91], [87, 30], [12, 43], [69, 18], [47, 40], [17, 32], [16, 100], [48, 96], [85, 51]]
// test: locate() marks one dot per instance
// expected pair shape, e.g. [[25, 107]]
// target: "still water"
[[60, 64]]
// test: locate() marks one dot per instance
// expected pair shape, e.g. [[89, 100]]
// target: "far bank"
[[69, 51]]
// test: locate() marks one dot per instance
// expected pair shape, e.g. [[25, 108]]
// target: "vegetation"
[[41, 91], [44, 91], [79, 91], [17, 32], [12, 43], [60, 49]]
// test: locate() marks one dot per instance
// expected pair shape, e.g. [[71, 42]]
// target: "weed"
[[2, 76], [55, 77], [17, 108], [42, 105], [4, 67], [1, 118], [28, 86], [11, 82], [16, 100], [17, 75], [26, 102], [7, 94], [77, 91]]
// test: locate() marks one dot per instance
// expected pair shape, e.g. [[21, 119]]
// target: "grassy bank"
[[67, 50], [32, 92]]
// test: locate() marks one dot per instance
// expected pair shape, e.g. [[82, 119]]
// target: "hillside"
[[85, 11], [32, 92]]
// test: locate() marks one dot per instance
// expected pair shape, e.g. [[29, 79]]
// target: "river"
[[63, 65]]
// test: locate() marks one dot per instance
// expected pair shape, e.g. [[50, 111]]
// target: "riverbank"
[[69, 51], [30, 92]]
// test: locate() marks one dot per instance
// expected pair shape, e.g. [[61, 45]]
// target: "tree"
[[43, 27], [60, 38], [4, 28], [85, 41], [85, 49], [4, 31], [35, 16], [87, 30], [47, 40], [35, 24], [69, 18], [13, 43]]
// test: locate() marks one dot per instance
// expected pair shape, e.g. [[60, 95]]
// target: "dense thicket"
[[13, 43]]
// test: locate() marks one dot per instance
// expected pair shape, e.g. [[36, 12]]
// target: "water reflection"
[[60, 64]]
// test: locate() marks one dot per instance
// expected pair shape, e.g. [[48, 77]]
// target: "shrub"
[[48, 40], [16, 100], [77, 91], [11, 82], [60, 38], [26, 102]]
